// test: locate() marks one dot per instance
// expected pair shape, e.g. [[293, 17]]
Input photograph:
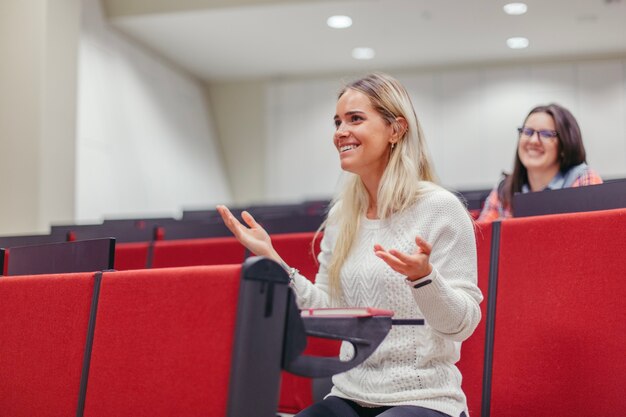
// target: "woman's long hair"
[[401, 183], [571, 151]]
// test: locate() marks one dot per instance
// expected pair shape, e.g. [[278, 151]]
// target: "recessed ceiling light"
[[517, 42], [363, 53], [515, 8], [339, 22]]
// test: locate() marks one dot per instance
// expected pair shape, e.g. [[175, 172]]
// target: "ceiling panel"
[[249, 39]]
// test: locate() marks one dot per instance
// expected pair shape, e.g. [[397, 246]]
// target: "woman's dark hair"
[[571, 151]]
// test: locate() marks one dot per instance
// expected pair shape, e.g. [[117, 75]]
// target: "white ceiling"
[[251, 39]]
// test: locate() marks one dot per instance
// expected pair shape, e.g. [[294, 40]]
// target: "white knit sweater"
[[415, 364]]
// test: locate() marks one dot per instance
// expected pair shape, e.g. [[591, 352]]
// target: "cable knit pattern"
[[415, 364]]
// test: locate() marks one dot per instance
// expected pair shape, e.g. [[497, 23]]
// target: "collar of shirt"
[[556, 183]]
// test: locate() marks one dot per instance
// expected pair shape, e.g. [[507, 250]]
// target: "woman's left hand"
[[414, 266]]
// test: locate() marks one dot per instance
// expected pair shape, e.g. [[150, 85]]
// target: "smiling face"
[[537, 154], [362, 137]]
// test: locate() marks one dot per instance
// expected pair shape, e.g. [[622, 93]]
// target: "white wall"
[[238, 114], [38, 44], [146, 144], [469, 117], [300, 157]]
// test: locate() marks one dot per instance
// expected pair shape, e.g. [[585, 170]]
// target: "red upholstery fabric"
[[163, 342], [472, 350], [295, 249], [560, 330], [296, 392], [43, 329], [192, 252], [131, 255]]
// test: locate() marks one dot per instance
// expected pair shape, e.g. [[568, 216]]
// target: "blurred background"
[[131, 108]]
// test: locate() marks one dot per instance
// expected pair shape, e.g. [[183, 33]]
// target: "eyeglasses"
[[527, 133]]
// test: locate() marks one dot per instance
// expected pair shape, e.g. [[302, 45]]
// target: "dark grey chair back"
[[64, 257]]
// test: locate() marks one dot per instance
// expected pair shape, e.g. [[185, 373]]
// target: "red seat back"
[[472, 350], [43, 331], [297, 251], [131, 255], [163, 342], [192, 252], [560, 331]]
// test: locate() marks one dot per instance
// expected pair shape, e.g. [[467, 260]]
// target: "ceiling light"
[[363, 53], [339, 22], [515, 8], [517, 43]]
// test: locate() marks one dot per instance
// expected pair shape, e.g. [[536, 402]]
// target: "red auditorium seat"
[[164, 339], [472, 350], [131, 255], [297, 251], [163, 342], [192, 252], [560, 331], [43, 328]]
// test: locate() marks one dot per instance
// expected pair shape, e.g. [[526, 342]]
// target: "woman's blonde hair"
[[400, 185]]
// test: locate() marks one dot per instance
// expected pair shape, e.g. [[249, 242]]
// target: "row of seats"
[[285, 218], [536, 274], [141, 343], [307, 216], [211, 251], [296, 249], [157, 230], [193, 341], [550, 342]]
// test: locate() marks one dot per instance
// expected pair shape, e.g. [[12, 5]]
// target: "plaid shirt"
[[493, 209]]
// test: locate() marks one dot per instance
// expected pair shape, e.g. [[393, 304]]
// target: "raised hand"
[[251, 235], [414, 266]]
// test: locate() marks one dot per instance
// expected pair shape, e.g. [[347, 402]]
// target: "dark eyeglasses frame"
[[541, 134]]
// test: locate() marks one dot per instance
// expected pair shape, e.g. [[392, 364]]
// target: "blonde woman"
[[393, 240]]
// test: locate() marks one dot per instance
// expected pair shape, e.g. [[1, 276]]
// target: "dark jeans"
[[338, 407]]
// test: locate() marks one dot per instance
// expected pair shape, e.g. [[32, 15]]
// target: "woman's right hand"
[[253, 237]]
